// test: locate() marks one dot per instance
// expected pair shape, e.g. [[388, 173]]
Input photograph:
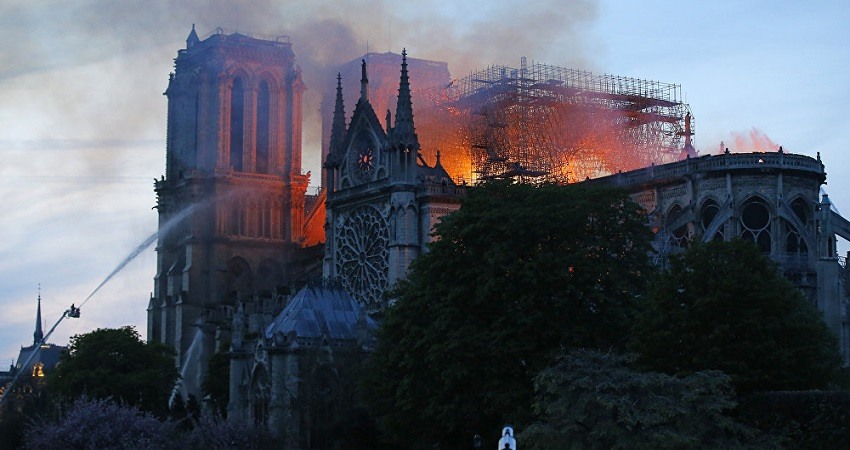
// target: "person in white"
[[507, 441]]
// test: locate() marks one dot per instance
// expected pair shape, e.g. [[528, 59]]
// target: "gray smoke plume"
[[142, 36]]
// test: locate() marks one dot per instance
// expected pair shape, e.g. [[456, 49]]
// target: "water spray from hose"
[[74, 311]]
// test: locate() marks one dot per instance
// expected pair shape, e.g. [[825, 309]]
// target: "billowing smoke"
[[83, 117], [136, 40], [752, 140]]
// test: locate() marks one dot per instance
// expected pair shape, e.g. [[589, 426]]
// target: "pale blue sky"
[[82, 116]]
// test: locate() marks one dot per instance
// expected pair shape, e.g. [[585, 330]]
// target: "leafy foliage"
[[105, 424], [805, 419], [216, 383], [213, 431], [516, 274], [116, 363], [594, 400], [100, 424], [724, 306]]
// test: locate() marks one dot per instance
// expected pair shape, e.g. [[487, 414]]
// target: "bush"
[[805, 419], [213, 432], [100, 424], [590, 400]]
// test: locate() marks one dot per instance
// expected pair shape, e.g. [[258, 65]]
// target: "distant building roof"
[[321, 312], [48, 356]]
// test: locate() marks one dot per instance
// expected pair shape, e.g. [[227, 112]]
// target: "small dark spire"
[[389, 120], [39, 334], [364, 81], [438, 159], [193, 38], [338, 124], [404, 132]]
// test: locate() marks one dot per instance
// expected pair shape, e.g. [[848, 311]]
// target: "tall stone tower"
[[231, 203]]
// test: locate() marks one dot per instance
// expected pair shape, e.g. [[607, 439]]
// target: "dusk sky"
[[82, 115]]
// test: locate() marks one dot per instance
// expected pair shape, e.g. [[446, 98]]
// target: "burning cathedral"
[[287, 284]]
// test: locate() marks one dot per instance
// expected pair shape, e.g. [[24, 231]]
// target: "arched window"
[[196, 132], [263, 121], [278, 225], [324, 396], [679, 237], [237, 124], [794, 242], [260, 394], [801, 209], [269, 275], [235, 218], [707, 214], [755, 222], [239, 277]]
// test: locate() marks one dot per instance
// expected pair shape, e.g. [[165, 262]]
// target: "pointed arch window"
[[196, 131], [263, 129], [794, 242], [755, 221], [680, 236], [260, 395], [237, 124], [709, 211]]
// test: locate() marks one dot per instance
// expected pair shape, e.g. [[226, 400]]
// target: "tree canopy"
[[595, 400], [516, 274], [216, 383], [115, 363], [725, 306]]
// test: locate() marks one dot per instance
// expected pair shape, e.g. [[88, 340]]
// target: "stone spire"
[[39, 334], [404, 133], [338, 124], [193, 38], [364, 82]]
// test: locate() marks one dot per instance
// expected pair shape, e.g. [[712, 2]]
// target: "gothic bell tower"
[[231, 202]]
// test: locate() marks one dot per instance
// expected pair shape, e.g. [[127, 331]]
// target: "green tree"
[[216, 383], [517, 273], [27, 401], [115, 363], [725, 306], [595, 400]]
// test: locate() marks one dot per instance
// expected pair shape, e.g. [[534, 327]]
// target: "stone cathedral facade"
[[383, 199], [237, 231], [232, 202], [382, 203]]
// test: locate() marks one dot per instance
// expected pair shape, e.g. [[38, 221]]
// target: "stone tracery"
[[363, 259]]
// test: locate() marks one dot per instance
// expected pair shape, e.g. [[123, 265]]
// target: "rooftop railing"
[[710, 163]]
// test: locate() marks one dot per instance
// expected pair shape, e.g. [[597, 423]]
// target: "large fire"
[[549, 123], [533, 123]]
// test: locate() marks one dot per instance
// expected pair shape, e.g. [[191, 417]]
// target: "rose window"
[[362, 261]]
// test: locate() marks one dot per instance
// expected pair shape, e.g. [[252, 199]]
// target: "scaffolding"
[[543, 122]]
